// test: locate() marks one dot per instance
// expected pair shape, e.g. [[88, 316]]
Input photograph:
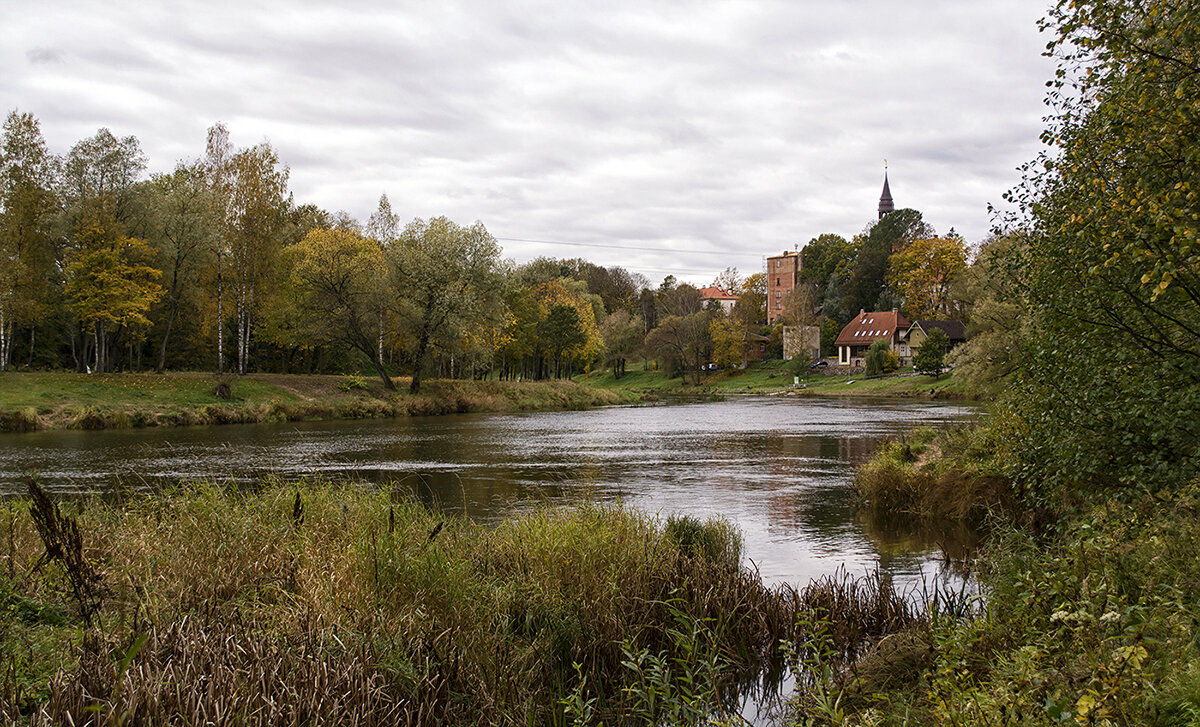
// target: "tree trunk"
[[162, 350], [422, 344], [5, 340], [220, 319]]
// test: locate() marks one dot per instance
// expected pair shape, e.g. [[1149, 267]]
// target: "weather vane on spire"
[[885, 200]]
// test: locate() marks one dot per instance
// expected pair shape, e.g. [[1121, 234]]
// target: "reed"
[[338, 604]]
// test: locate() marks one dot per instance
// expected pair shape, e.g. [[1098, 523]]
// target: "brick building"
[[783, 275]]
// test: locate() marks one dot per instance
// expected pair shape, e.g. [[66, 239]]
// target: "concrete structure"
[[783, 275], [799, 341]]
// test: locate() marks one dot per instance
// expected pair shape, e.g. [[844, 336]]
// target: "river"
[[778, 468]]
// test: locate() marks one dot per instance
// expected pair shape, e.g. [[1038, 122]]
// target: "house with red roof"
[[724, 297], [866, 328]]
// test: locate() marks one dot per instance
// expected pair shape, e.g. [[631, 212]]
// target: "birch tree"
[[258, 194], [27, 202]]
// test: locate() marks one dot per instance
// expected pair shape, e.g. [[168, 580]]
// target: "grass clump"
[[910, 476]]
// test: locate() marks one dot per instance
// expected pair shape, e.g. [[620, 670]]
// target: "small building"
[[754, 347], [799, 341], [866, 328], [783, 275], [912, 339], [724, 297]]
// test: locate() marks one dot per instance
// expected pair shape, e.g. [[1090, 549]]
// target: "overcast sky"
[[678, 129]]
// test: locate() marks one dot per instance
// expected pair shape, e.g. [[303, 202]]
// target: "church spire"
[[885, 199]]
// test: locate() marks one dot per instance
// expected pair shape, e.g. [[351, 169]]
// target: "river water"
[[778, 468]]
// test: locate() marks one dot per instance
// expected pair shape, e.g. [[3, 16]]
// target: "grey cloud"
[[44, 55]]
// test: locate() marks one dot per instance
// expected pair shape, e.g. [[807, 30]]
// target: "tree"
[[257, 199], [878, 360], [623, 336], [930, 358], [882, 239], [110, 286], [923, 272], [997, 314], [560, 331], [443, 276], [729, 280], [681, 342], [340, 280], [751, 306], [184, 228], [728, 341], [384, 225], [1112, 269], [27, 203]]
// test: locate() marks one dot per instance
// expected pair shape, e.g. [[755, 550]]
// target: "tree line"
[[214, 266]]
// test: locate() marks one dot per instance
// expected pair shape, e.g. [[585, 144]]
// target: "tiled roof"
[[712, 292], [868, 326], [954, 330]]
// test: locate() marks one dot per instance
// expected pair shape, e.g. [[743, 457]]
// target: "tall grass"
[[359, 606]]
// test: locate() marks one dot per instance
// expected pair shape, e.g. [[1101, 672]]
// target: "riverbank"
[[1089, 611], [57, 400], [778, 378]]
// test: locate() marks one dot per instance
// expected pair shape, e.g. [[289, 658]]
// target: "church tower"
[[885, 199]]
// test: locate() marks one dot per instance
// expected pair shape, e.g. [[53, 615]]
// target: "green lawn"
[[774, 376], [58, 400]]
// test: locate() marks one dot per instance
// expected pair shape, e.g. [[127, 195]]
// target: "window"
[[778, 263], [778, 294], [777, 281], [779, 306]]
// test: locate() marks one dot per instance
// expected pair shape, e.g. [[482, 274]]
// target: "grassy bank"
[[1088, 618], [332, 604], [777, 377], [31, 401], [1093, 625]]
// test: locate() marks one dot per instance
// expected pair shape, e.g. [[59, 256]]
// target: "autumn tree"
[[865, 285], [110, 285], [257, 198], [923, 273], [340, 281], [997, 313], [27, 204], [728, 336], [443, 276], [751, 306]]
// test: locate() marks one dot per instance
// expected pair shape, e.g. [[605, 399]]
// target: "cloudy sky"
[[668, 137]]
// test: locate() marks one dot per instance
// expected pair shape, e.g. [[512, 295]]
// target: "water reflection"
[[778, 468]]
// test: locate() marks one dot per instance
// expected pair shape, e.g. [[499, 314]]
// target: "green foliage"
[[1093, 627], [930, 358], [877, 357], [1112, 269]]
